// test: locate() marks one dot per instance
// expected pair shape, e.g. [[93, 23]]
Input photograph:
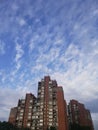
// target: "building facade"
[[79, 115], [25, 111], [49, 109], [50, 106], [12, 116]]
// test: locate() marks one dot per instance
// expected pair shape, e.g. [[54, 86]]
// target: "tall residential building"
[[50, 109], [79, 115]]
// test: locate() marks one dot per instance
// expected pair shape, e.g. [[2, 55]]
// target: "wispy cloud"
[[14, 95], [2, 76], [22, 22], [77, 76], [95, 120], [19, 54], [6, 103]]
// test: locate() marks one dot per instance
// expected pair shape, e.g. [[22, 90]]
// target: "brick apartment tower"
[[12, 117], [62, 110], [78, 114], [25, 111], [50, 109]]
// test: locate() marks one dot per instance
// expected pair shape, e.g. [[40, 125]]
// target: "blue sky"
[[49, 37]]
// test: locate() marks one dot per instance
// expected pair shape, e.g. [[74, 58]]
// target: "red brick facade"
[[28, 111], [46, 100], [78, 114], [12, 117], [62, 113]]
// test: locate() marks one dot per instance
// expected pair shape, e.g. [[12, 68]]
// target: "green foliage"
[[7, 126], [78, 127], [52, 128]]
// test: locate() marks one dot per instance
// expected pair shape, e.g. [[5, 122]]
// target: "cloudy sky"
[[49, 37]]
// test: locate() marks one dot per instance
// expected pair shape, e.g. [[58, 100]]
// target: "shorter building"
[[79, 115], [12, 117], [22, 114]]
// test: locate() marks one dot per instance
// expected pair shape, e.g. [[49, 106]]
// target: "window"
[[33, 128], [20, 123], [33, 117], [30, 107], [42, 95], [39, 90], [41, 113], [50, 113], [50, 116], [41, 103], [50, 102], [23, 101], [41, 124], [18, 108], [50, 120], [41, 120], [28, 124], [31, 101], [29, 114], [21, 114], [36, 117], [21, 110], [29, 117], [50, 124], [20, 117], [17, 118], [34, 110]]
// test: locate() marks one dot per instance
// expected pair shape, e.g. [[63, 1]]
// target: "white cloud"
[[95, 12], [8, 101], [95, 120], [19, 54], [33, 42], [80, 78], [2, 76], [31, 46], [22, 22], [59, 41], [18, 65], [73, 69], [13, 95]]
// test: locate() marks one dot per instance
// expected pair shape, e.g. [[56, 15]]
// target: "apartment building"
[[49, 109], [12, 116], [79, 115], [50, 106], [24, 111]]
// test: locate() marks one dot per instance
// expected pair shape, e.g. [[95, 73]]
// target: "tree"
[[75, 126], [7, 126], [52, 128]]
